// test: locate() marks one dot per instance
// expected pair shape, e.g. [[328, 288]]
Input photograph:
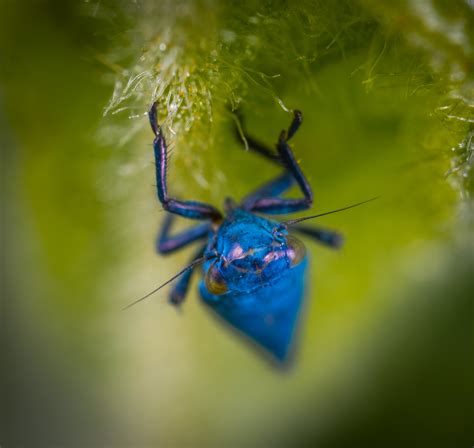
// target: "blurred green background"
[[386, 349]]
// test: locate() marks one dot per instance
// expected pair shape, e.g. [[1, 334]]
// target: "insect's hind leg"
[[167, 244], [180, 289]]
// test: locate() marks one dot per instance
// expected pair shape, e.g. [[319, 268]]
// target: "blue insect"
[[254, 269]]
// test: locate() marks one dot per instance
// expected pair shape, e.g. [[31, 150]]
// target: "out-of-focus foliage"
[[386, 88]]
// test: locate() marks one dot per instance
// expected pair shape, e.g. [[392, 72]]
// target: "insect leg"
[[323, 236], [276, 205], [180, 289], [274, 188], [188, 209], [252, 144], [260, 148], [282, 183], [166, 243]]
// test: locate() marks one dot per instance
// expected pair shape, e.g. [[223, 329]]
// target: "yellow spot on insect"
[[215, 284]]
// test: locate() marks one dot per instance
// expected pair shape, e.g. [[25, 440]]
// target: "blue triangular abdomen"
[[268, 315]]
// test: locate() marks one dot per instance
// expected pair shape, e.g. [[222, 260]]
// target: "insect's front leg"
[[274, 188], [188, 209], [276, 205], [253, 144], [167, 244]]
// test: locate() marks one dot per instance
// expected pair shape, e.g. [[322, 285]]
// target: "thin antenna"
[[305, 218], [189, 266]]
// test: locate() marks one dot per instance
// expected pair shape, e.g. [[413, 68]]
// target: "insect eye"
[[215, 284], [295, 250]]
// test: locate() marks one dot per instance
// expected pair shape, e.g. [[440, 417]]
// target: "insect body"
[[254, 270], [256, 280]]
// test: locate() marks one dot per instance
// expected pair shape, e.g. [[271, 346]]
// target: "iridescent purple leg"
[[180, 289], [275, 187], [188, 209], [272, 203], [280, 184], [254, 145], [167, 243], [323, 236]]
